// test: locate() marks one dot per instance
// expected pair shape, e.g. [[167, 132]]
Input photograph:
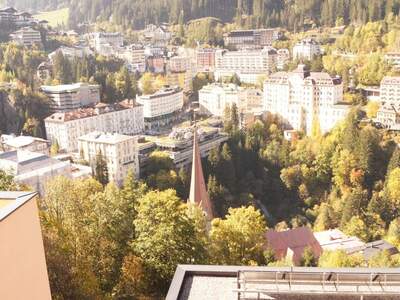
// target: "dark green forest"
[[291, 14]]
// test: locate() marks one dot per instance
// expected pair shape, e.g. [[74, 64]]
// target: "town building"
[[134, 57], [216, 97], [157, 35], [179, 64], [9, 15], [35, 169], [282, 59], [390, 90], [305, 100], [71, 52], [393, 58], [27, 143], [68, 97], [119, 151], [155, 64], [125, 117], [254, 38], [99, 40], [290, 244], [334, 239], [371, 93], [181, 79], [162, 107], [248, 65], [388, 116], [23, 272], [44, 71], [306, 49], [205, 59], [27, 36], [178, 144]]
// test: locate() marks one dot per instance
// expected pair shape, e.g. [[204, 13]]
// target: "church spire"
[[198, 190]]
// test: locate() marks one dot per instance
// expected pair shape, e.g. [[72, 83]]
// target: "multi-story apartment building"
[[119, 151], [35, 169], [162, 107], [68, 97], [205, 59], [26, 36], [22, 142], [214, 98], [125, 117], [134, 57], [390, 90], [98, 39], [305, 99], [157, 35], [306, 49], [11, 16], [393, 58], [282, 59], [388, 115], [254, 38], [248, 65], [179, 64], [155, 63], [71, 52], [44, 71]]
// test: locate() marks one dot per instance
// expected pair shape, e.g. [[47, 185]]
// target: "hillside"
[[292, 14], [55, 17]]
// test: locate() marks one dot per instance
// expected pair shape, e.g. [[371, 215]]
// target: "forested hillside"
[[292, 14]]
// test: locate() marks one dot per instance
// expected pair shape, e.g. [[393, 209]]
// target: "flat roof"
[[105, 137], [11, 201], [63, 88]]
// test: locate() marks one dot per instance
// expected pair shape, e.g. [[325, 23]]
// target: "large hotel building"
[[124, 117], [302, 98]]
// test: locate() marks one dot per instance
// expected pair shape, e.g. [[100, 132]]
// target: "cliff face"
[[9, 119]]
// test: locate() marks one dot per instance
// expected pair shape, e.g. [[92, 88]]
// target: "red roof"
[[294, 239]]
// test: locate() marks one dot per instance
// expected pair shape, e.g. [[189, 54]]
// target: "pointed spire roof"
[[198, 190]]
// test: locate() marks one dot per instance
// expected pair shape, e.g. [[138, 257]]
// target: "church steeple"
[[198, 190]]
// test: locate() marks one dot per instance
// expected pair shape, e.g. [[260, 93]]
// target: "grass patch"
[[55, 18]]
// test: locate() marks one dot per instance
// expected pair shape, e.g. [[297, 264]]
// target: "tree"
[[372, 109], [308, 258], [7, 182], [101, 169], [393, 234], [356, 227], [339, 259], [239, 238], [55, 148], [383, 259], [393, 186], [165, 235], [147, 84]]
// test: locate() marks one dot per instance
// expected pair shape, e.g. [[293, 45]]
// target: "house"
[[290, 244]]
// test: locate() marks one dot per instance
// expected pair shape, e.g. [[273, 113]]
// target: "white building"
[[248, 65], [68, 97], [71, 52], [119, 151], [125, 118], [134, 57], [27, 143], [179, 64], [306, 49], [26, 36], [334, 239], [157, 35], [97, 40], [35, 169], [390, 90], [303, 99], [162, 107], [283, 58], [388, 115], [214, 98], [393, 58]]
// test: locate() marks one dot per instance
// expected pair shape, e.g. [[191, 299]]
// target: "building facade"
[[304, 99], [27, 143], [68, 97], [124, 117], [254, 38], [119, 151], [246, 64], [98, 39], [390, 90], [162, 107], [306, 49], [27, 36], [205, 59]]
